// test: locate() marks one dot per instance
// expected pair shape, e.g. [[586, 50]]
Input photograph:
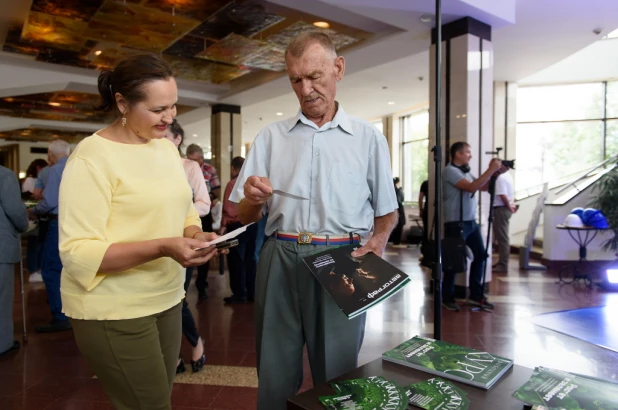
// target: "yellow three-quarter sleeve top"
[[119, 193]]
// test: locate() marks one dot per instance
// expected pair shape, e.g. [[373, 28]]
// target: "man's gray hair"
[[301, 43], [60, 148]]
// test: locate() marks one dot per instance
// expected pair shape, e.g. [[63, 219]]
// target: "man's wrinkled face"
[[314, 77]]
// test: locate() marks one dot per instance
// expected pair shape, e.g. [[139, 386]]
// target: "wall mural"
[[43, 135], [61, 106], [211, 41]]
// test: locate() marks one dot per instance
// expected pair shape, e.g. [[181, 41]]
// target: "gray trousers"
[[502, 216], [7, 289], [291, 310]]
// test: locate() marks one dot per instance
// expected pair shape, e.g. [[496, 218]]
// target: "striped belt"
[[307, 238]]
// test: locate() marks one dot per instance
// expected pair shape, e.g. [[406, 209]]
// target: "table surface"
[[498, 397], [573, 228]]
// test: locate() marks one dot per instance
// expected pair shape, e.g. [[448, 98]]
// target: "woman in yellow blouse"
[[127, 228]]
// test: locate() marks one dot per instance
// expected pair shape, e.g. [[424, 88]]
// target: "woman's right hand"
[[183, 251]]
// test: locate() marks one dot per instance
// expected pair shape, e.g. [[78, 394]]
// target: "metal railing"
[[569, 181]]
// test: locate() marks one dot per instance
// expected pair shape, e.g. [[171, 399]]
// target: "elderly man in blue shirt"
[[342, 165], [51, 265]]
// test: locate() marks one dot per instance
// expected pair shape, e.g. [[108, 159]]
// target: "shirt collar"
[[341, 120]]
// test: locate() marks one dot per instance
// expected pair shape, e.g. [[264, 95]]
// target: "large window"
[[565, 129], [414, 153]]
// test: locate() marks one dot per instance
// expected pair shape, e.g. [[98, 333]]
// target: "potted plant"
[[606, 200]]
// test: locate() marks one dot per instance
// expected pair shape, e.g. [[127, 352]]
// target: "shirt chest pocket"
[[348, 190]]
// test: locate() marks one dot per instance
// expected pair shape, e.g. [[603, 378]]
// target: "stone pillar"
[[467, 106], [225, 139]]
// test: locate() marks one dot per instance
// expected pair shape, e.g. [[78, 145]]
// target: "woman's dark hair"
[[177, 130], [129, 78], [32, 170]]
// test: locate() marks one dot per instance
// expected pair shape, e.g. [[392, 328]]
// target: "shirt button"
[[317, 153], [315, 201], [315, 178]]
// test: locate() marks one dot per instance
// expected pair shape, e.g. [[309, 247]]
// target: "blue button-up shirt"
[[49, 203], [343, 168]]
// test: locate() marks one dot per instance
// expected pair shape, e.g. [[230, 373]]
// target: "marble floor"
[[49, 374]]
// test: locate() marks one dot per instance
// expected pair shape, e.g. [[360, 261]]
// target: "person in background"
[[195, 153], [423, 198], [201, 201], [51, 265], [13, 222], [32, 173], [216, 211], [34, 251], [460, 190], [398, 231], [241, 259], [342, 165], [41, 181], [504, 207], [128, 228]]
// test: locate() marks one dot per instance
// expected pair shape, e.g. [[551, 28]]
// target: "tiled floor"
[[49, 374]]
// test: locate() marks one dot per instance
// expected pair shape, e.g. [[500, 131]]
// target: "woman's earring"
[[124, 121]]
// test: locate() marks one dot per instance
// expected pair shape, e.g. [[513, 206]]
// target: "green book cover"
[[437, 394], [555, 389], [355, 284], [465, 365], [372, 393]]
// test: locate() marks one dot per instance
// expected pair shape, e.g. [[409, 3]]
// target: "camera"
[[509, 163]]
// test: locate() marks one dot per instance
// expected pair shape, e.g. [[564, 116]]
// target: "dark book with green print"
[[372, 393], [355, 284], [462, 364], [555, 389], [435, 394]]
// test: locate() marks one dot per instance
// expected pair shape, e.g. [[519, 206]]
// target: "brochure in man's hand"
[[462, 364], [555, 389], [355, 284]]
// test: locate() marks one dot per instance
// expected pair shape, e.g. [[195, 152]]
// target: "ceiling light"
[[426, 18], [54, 104], [194, 135], [321, 24], [279, 114], [97, 53], [391, 103]]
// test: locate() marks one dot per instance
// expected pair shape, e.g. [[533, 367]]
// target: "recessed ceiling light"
[[391, 103], [54, 104], [194, 135], [321, 24], [426, 18], [279, 114], [97, 53]]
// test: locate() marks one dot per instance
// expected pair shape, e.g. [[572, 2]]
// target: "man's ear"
[[339, 68]]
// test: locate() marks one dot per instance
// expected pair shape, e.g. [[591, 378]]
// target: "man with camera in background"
[[460, 202]]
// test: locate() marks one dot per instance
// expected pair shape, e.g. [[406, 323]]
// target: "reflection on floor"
[[49, 374]]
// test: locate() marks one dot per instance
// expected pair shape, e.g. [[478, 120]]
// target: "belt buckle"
[[305, 238]]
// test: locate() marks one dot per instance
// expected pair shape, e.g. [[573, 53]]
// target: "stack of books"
[[462, 364]]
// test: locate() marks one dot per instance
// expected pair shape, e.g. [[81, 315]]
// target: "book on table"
[[554, 389], [459, 363], [355, 283]]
